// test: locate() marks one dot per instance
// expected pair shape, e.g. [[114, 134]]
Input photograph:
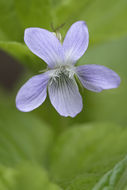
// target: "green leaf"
[[11, 28], [7, 178], [16, 15], [25, 177], [31, 177], [22, 137], [79, 158], [34, 13], [83, 154], [25, 144], [114, 179]]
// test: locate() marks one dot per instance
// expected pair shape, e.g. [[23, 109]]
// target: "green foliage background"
[[42, 150]]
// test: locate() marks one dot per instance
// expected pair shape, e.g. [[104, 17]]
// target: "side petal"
[[45, 45], [65, 97], [97, 78], [33, 93], [76, 41]]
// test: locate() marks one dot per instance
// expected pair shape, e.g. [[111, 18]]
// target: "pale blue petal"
[[45, 45], [33, 93], [65, 96], [76, 41], [97, 78]]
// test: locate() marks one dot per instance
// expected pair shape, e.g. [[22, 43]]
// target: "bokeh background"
[[42, 150]]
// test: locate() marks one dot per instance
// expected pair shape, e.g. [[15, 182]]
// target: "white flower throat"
[[66, 71]]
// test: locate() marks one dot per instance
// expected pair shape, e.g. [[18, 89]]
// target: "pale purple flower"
[[59, 79]]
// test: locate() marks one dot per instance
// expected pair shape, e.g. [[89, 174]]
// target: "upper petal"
[[97, 78], [76, 41], [45, 45], [33, 93], [65, 96]]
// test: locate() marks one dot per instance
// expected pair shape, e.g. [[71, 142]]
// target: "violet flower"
[[59, 79]]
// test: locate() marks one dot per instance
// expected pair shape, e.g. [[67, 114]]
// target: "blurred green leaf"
[[83, 154], [77, 159], [31, 177], [33, 13], [10, 27], [114, 179], [17, 15], [7, 178], [25, 177], [22, 137]]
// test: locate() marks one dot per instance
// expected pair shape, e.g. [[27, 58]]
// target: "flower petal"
[[97, 78], [33, 93], [76, 41], [45, 45], [65, 96]]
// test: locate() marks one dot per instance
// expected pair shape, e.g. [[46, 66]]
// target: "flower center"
[[62, 71]]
